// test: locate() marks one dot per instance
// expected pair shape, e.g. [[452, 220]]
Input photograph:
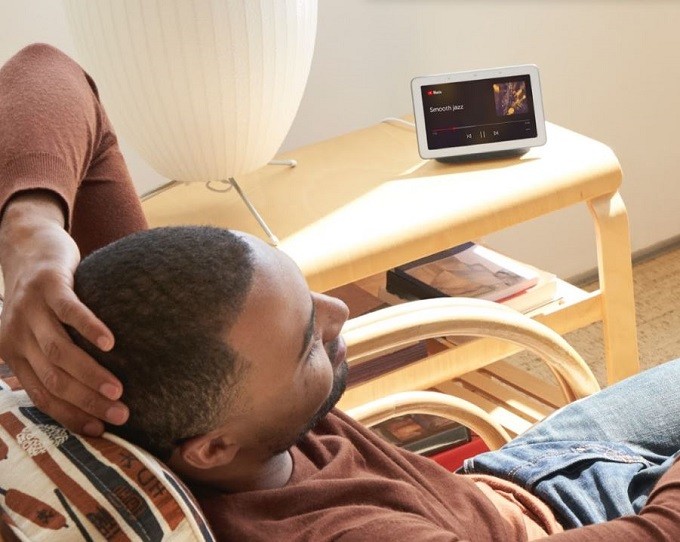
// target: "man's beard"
[[337, 389]]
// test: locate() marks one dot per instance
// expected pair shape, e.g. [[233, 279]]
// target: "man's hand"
[[38, 259]]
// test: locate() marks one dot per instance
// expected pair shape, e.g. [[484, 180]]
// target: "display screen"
[[475, 112]]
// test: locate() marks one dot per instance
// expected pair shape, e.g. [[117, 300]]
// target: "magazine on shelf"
[[467, 270], [544, 296]]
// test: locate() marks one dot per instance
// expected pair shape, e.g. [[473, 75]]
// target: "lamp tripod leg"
[[272, 238], [275, 162]]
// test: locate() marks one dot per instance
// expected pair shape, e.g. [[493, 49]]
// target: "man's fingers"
[[58, 348], [71, 311], [71, 417], [70, 380], [83, 402]]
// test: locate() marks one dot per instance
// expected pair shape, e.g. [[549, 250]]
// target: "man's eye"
[[316, 344]]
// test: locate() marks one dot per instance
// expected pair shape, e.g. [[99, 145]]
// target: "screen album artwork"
[[510, 98]]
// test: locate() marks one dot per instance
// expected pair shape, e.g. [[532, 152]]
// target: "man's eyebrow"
[[309, 332]]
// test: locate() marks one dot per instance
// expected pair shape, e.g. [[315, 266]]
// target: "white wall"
[[609, 70]]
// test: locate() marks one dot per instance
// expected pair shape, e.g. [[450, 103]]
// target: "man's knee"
[[42, 50]]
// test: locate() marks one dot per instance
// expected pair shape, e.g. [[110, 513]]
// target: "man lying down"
[[231, 368]]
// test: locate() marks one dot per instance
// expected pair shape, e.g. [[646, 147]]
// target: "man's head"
[[222, 350]]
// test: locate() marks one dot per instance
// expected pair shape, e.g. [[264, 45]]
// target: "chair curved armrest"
[[379, 332]]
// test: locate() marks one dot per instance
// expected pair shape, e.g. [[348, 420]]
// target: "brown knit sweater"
[[347, 484], [54, 135]]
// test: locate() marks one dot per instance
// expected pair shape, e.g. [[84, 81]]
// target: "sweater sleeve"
[[55, 136], [659, 519]]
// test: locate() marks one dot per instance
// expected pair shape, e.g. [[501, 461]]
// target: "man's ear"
[[214, 449]]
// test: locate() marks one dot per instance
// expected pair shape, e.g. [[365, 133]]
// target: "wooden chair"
[[496, 401]]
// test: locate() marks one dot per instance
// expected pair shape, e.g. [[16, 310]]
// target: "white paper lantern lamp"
[[204, 90]]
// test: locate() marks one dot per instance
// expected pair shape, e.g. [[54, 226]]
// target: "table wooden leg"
[[616, 285]]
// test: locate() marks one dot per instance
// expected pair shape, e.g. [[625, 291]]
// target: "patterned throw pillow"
[[55, 485]]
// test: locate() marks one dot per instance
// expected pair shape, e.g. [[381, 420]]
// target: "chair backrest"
[[55, 485]]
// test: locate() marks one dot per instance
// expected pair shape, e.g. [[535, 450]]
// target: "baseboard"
[[639, 256]]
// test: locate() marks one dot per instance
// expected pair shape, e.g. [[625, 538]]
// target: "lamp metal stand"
[[272, 238]]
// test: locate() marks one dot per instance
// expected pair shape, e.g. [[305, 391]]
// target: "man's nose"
[[334, 313]]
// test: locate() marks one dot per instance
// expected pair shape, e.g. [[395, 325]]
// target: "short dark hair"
[[169, 295]]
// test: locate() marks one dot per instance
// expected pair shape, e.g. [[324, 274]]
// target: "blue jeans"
[[598, 458]]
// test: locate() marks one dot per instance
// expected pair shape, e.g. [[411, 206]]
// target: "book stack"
[[423, 433], [473, 270]]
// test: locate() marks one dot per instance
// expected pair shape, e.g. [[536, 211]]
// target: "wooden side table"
[[362, 203]]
